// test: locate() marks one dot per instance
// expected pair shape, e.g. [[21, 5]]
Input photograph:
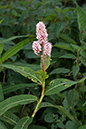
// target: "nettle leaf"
[[14, 101], [59, 70], [2, 126], [62, 109], [10, 118], [24, 123], [81, 18], [25, 71], [58, 85]]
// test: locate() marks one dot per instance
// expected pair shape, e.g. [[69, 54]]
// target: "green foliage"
[[64, 100]]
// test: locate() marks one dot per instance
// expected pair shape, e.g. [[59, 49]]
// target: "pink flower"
[[41, 32], [36, 47], [47, 49]]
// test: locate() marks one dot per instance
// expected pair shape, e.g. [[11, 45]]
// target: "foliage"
[[63, 104]]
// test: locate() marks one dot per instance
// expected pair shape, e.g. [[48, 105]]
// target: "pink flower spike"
[[47, 49], [41, 32], [36, 47]]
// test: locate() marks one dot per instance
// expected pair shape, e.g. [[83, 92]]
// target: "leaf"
[[12, 38], [25, 71], [69, 56], [24, 123], [2, 126], [1, 93], [36, 127], [82, 127], [1, 48], [71, 125], [83, 53], [59, 70], [75, 70], [81, 18], [58, 85], [10, 118], [13, 88], [1, 20], [16, 100], [62, 109], [65, 46], [15, 49], [67, 38]]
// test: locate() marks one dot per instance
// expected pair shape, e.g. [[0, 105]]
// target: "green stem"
[[40, 100]]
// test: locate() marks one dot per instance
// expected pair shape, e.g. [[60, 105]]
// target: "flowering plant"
[[41, 48]]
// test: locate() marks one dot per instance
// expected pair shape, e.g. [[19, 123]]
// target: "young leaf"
[[15, 49], [24, 123], [58, 85], [75, 70], [1, 93], [16, 100], [25, 71], [10, 118], [62, 109], [2, 126]]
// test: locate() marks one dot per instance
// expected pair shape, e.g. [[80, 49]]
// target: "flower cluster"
[[42, 35]]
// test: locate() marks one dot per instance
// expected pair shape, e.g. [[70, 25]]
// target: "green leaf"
[[58, 85], [62, 109], [65, 46], [10, 118], [83, 53], [13, 88], [15, 49], [71, 125], [69, 56], [1, 20], [82, 127], [81, 18], [16, 100], [1, 48], [12, 38], [25, 71], [75, 70], [1, 93], [67, 38], [2, 126], [59, 70], [24, 123]]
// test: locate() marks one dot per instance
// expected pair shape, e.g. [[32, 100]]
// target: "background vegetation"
[[66, 25]]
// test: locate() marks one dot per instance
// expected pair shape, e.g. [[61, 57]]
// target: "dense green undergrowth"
[[64, 103]]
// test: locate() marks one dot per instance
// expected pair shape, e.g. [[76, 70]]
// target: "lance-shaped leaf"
[[12, 38], [13, 88], [58, 85], [10, 118], [16, 100], [62, 109], [2, 126], [25, 71], [15, 49], [24, 123]]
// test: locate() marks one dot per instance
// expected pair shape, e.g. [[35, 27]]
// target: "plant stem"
[[40, 100]]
